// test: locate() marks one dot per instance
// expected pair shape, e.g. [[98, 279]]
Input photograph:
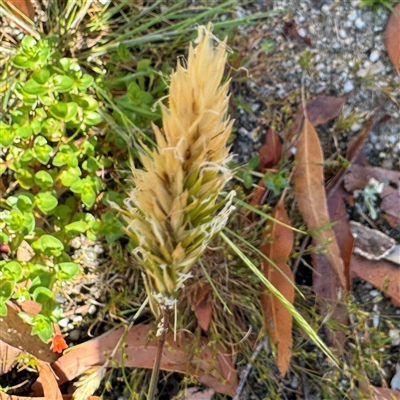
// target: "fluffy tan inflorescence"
[[173, 211]]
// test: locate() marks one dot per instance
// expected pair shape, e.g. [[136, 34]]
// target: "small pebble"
[[75, 334], [63, 322], [374, 56], [342, 33], [76, 318], [395, 382], [394, 334], [92, 309], [70, 326], [325, 9], [374, 293], [352, 16], [356, 127], [302, 32], [359, 23], [348, 86]]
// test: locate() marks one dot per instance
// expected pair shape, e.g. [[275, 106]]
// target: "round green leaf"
[[13, 269], [25, 177], [69, 176], [34, 88], [92, 118], [28, 42], [41, 76], [24, 132], [84, 82], [88, 196], [6, 134], [66, 270], [6, 289], [42, 295], [43, 179], [76, 227], [62, 83], [46, 202], [42, 150], [16, 220], [48, 245]]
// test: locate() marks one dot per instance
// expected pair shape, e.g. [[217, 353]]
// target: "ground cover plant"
[[88, 159]]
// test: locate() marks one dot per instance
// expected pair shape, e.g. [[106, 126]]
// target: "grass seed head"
[[173, 210]]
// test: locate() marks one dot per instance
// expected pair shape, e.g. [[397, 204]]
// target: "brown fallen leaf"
[[311, 197], [17, 333], [216, 372], [358, 176], [5, 396], [326, 283], [49, 382], [271, 151], [25, 6], [203, 307], [385, 393], [380, 273], [277, 318], [392, 38], [320, 110]]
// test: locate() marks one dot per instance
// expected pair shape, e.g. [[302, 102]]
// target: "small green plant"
[[370, 196], [50, 146], [375, 4]]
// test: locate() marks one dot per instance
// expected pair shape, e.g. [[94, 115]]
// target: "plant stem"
[[157, 362]]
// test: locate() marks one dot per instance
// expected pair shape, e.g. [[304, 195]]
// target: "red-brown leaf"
[[17, 334], [203, 307], [385, 393], [25, 6], [311, 197], [271, 151], [323, 109], [392, 38], [49, 382], [215, 372], [380, 273], [278, 319]]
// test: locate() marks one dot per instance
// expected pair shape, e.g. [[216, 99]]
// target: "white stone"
[[352, 15], [342, 33], [325, 9], [77, 318], [355, 127], [374, 293], [348, 86], [63, 322], [374, 56], [302, 32], [359, 23], [92, 309], [395, 382]]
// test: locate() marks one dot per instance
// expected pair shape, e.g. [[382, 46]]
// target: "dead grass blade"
[[140, 352], [392, 38], [277, 318], [311, 197]]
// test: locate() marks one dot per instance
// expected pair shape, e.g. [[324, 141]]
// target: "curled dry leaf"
[[215, 372], [311, 197], [278, 319], [49, 382], [392, 38], [203, 307], [383, 274]]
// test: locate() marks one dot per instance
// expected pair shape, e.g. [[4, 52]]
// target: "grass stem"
[[157, 362]]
